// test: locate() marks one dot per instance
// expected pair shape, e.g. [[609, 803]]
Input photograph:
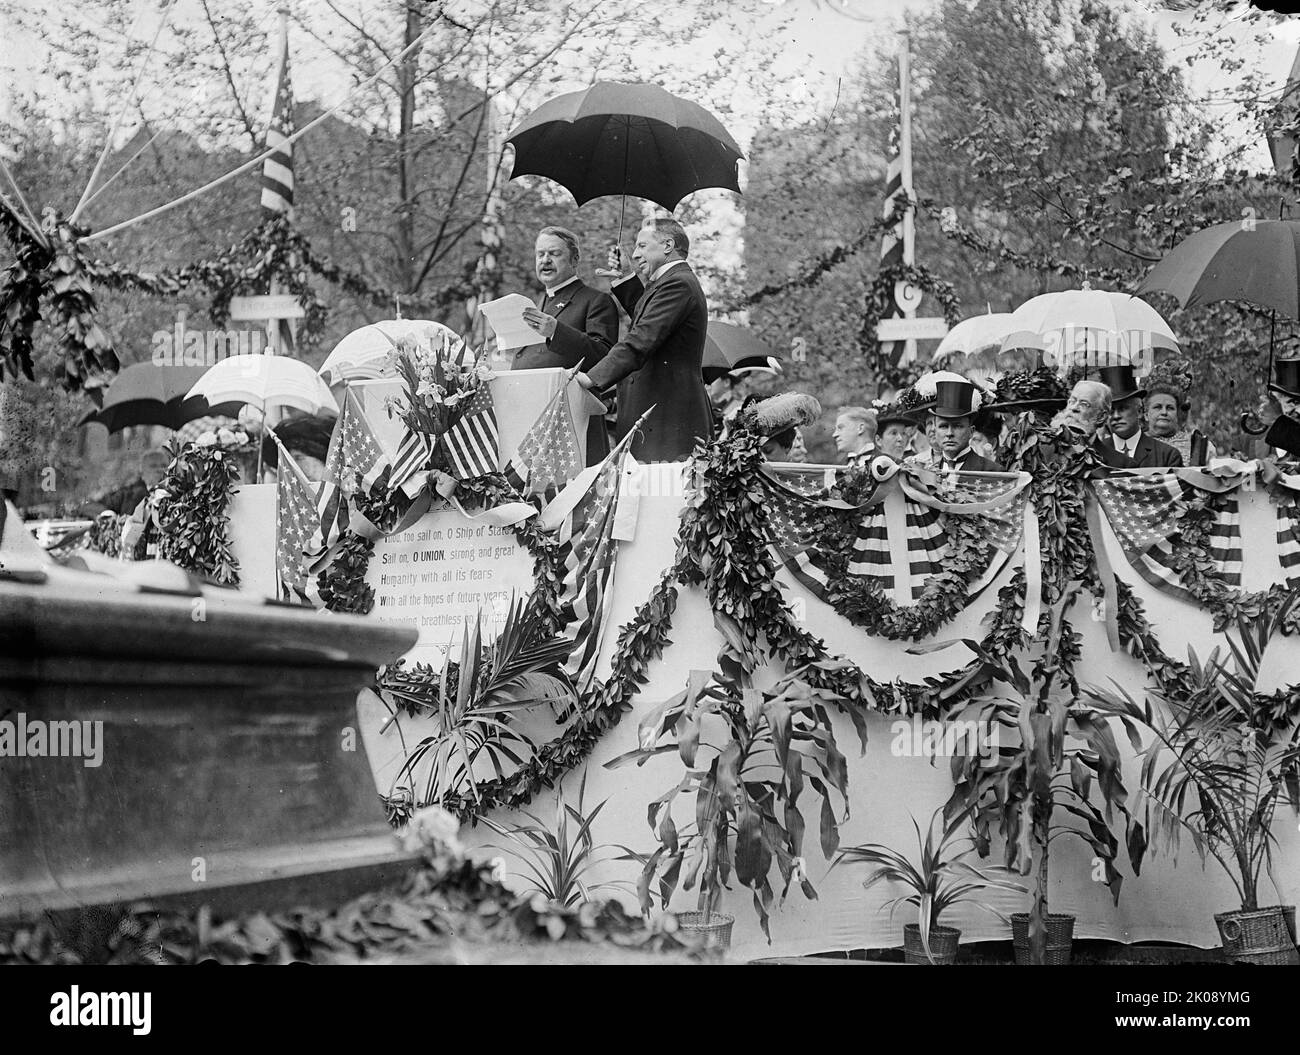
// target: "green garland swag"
[[191, 512], [1226, 603], [721, 547], [861, 599]]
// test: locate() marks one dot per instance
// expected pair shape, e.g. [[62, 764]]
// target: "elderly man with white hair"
[[1086, 411]]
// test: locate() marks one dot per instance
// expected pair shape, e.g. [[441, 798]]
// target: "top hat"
[[1121, 382], [955, 399], [1287, 372]]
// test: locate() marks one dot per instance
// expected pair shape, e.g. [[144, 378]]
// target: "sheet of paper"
[[506, 317]]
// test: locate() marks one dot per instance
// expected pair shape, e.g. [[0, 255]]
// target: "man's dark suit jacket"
[[972, 463], [1111, 457], [586, 327], [1151, 453], [659, 363]]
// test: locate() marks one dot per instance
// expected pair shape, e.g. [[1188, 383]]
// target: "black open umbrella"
[[148, 394], [626, 139], [728, 347]]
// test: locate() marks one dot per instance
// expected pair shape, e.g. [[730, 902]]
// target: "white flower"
[[433, 827], [225, 436], [207, 439]]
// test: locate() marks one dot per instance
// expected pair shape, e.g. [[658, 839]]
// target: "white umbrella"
[[363, 353], [976, 334], [1089, 321], [266, 381]]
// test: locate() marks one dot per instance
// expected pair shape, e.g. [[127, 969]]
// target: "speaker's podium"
[[519, 397]]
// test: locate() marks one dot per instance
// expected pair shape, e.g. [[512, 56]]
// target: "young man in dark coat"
[[955, 406], [1126, 434], [659, 362]]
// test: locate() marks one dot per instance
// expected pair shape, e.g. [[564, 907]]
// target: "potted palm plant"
[[940, 880], [1221, 757], [1043, 788], [749, 755]]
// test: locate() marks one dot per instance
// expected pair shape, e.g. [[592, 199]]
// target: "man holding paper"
[[659, 361], [578, 324]]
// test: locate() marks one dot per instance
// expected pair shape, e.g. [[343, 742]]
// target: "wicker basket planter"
[[1263, 936], [712, 928], [1060, 937], [943, 945]]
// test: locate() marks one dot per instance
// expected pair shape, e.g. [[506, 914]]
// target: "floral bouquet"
[[440, 375]]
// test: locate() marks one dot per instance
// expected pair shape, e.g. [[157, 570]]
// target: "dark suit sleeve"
[[667, 307], [588, 345], [627, 292], [1173, 459]]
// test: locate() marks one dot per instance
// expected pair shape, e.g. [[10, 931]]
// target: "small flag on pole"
[[295, 523], [548, 455], [277, 169], [353, 451], [472, 444]]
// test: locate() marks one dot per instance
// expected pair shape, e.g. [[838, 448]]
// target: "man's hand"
[[614, 268], [584, 381], [540, 321]]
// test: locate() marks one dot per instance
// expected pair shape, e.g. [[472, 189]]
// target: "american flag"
[[277, 169], [413, 454], [548, 455], [1288, 539], [588, 561], [1144, 510], [295, 523], [792, 517], [353, 451], [472, 443]]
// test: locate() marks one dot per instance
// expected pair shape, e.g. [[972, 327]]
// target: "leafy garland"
[[721, 547], [190, 507], [53, 266], [1191, 563], [879, 301], [447, 896], [53, 269], [861, 599]]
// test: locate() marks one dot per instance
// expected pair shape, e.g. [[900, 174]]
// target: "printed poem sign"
[[442, 570]]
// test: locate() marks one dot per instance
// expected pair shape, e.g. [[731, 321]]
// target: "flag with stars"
[[589, 558], [548, 455], [354, 452], [295, 523], [472, 443], [1144, 512], [277, 169], [794, 510]]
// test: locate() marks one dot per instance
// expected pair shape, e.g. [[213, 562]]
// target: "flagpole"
[[905, 164]]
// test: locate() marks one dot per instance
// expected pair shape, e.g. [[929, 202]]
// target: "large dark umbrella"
[[626, 139], [146, 394], [1257, 261], [729, 347]]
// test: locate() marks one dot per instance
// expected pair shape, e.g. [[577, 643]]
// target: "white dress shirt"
[[563, 285], [1126, 446]]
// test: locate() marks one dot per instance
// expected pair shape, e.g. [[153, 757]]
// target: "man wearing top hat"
[[1283, 436], [955, 406], [1126, 435]]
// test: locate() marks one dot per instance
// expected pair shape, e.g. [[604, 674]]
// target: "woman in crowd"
[[1167, 408], [895, 430]]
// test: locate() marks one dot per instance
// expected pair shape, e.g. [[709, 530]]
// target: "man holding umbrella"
[[659, 362]]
